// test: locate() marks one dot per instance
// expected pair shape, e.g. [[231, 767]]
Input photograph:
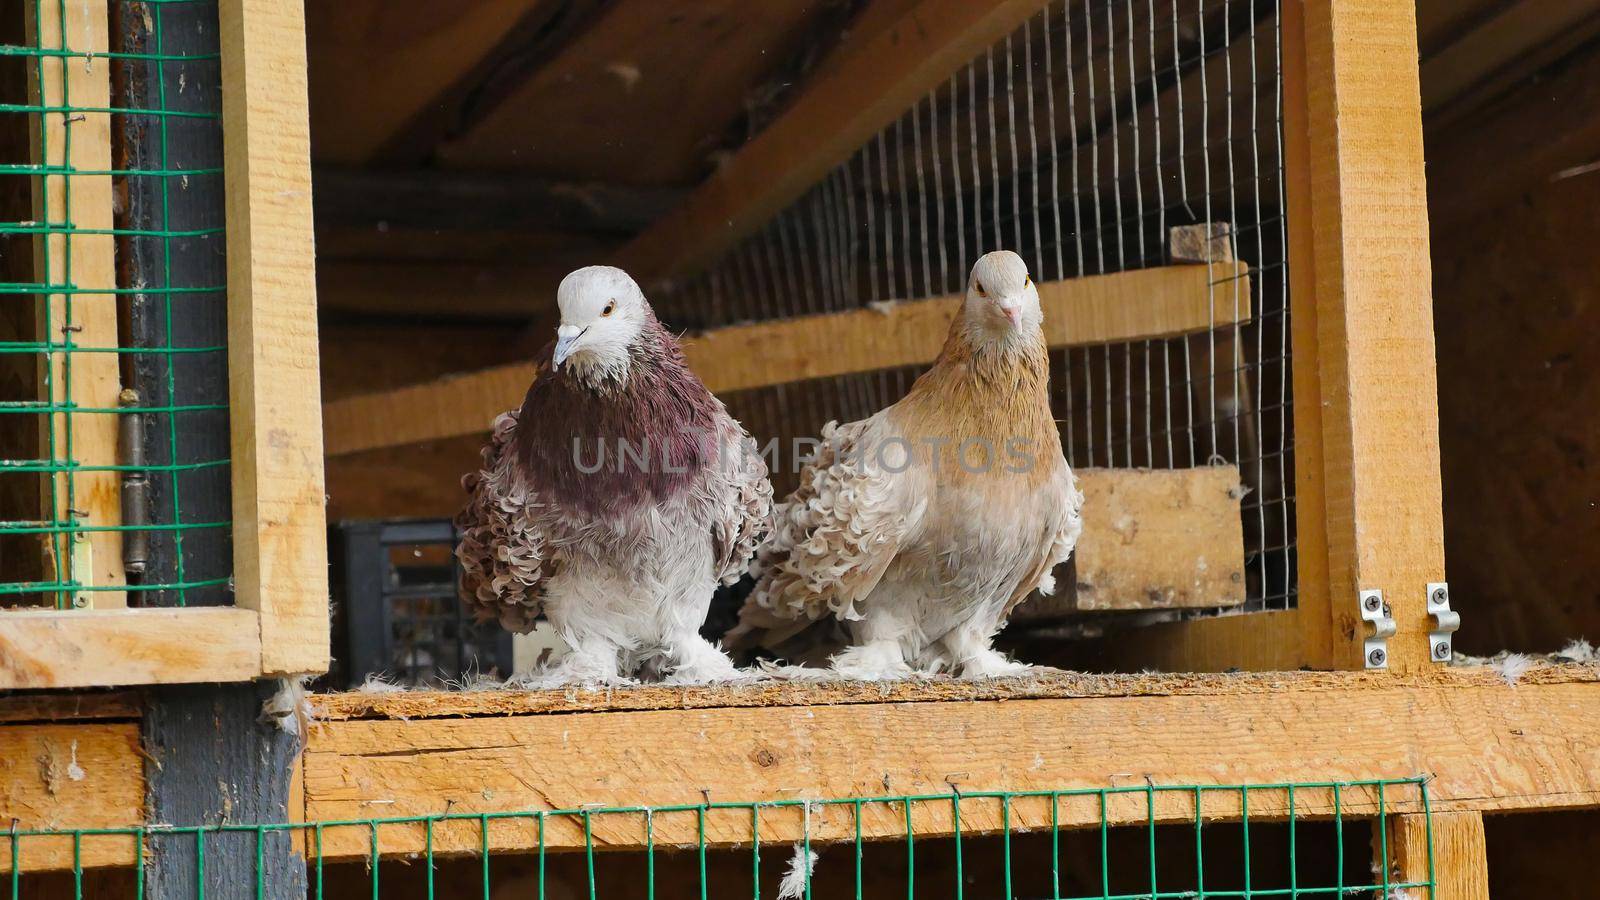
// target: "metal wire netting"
[[1121, 843], [113, 321], [1082, 141]]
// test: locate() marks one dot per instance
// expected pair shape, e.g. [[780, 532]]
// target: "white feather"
[[1513, 667], [801, 865]]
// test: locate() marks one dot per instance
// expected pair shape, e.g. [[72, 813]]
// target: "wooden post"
[[78, 141], [209, 760], [1450, 852], [280, 534], [1377, 422]]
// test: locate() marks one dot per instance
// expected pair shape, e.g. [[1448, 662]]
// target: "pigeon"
[[915, 533], [615, 500]]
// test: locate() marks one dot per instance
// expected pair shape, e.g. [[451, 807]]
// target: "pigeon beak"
[[1012, 310], [566, 342]]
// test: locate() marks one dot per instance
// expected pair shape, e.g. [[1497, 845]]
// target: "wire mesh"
[[1117, 843], [1080, 141], [113, 359]]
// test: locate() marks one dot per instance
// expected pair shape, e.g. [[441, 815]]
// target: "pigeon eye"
[[981, 291], [610, 308], [1028, 281]]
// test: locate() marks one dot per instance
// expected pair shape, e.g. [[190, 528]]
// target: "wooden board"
[[105, 648], [1542, 737], [1446, 848], [55, 776], [279, 532], [1046, 684], [1159, 539], [87, 261], [1143, 303]]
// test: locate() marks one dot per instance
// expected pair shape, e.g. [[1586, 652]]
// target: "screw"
[[1438, 596], [1441, 650], [80, 601], [1372, 603], [1376, 657]]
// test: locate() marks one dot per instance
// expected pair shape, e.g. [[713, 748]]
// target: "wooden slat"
[[70, 776], [279, 532], [105, 648], [1543, 739], [1159, 539], [855, 96], [1380, 419], [1133, 305], [91, 380], [1446, 848]]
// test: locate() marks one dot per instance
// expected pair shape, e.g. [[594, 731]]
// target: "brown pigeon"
[[914, 533]]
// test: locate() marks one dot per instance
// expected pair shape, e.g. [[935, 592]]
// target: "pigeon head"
[[603, 313], [1002, 301]]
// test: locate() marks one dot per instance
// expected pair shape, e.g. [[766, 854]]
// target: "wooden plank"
[[1045, 684], [280, 537], [211, 758], [55, 776], [1138, 304], [855, 97], [1306, 635], [86, 261], [1159, 539], [1380, 417], [106, 648], [1545, 740], [1447, 849]]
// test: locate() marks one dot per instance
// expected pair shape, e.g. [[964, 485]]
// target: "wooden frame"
[[1369, 505], [279, 624]]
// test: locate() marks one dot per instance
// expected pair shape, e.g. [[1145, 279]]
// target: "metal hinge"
[[1446, 622], [1375, 651]]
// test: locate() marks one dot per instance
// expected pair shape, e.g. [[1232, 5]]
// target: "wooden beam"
[[105, 648], [1374, 317], [1445, 849], [479, 201], [279, 532], [64, 776], [86, 261], [1134, 305], [867, 88], [1543, 738]]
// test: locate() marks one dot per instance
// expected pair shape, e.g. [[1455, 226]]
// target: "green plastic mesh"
[[168, 291], [1195, 841]]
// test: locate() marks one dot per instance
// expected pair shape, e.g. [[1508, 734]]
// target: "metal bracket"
[[1446, 622], [1375, 651]]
